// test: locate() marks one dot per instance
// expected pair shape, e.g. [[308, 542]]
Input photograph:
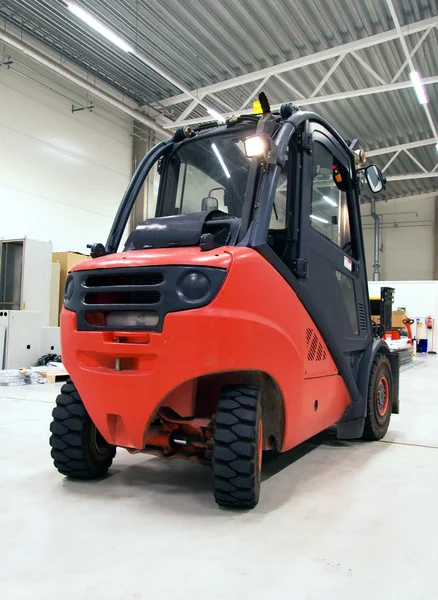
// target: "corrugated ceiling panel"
[[200, 42], [379, 120], [203, 41], [402, 164], [407, 187]]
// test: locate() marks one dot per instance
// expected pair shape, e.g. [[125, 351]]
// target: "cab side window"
[[278, 215], [329, 208], [277, 235]]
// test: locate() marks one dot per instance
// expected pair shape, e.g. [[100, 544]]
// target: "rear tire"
[[379, 400], [78, 449], [238, 447]]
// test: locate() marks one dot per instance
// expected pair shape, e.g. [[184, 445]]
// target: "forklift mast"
[[386, 302]]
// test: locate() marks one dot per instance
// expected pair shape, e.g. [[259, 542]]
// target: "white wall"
[[62, 175], [408, 248]]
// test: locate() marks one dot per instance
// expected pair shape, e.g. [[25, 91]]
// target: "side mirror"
[[209, 203], [375, 179]]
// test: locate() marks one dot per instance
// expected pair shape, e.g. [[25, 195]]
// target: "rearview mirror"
[[375, 178]]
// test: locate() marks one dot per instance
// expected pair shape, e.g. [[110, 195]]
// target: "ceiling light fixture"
[[319, 219], [329, 201], [98, 26], [221, 160], [419, 87]]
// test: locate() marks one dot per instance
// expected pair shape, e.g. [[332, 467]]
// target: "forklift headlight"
[[254, 146], [194, 286]]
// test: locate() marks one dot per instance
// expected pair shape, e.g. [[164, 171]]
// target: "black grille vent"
[[362, 316], [135, 298], [108, 297], [315, 351], [122, 296], [137, 279], [128, 289], [308, 335]]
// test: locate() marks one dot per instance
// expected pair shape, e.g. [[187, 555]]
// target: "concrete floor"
[[336, 520]]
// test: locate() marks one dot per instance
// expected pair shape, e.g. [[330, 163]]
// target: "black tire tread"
[[374, 431], [68, 440], [235, 448]]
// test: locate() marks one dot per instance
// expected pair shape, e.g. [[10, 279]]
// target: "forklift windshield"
[[205, 173], [200, 179]]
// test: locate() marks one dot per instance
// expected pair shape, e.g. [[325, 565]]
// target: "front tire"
[[238, 447], [380, 395], [78, 449]]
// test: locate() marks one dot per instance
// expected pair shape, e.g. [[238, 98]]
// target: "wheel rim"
[[260, 445], [99, 444], [382, 396]]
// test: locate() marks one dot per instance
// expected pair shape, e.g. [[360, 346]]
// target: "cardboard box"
[[54, 295], [66, 261], [397, 318]]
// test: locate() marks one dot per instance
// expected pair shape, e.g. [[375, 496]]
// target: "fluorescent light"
[[419, 87], [213, 113], [436, 147], [329, 200], [221, 160], [319, 219], [254, 146], [98, 26]]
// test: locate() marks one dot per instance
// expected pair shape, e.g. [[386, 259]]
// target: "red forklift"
[[235, 321]]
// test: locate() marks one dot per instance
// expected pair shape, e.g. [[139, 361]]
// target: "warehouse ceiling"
[[345, 59]]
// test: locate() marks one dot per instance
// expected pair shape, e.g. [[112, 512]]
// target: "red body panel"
[[256, 322]]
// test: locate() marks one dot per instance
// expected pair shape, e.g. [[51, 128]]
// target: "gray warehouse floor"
[[336, 520]]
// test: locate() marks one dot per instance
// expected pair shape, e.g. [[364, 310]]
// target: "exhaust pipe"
[[376, 266]]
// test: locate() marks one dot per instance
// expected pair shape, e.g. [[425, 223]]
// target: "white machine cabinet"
[[25, 275], [2, 345], [50, 340], [23, 338]]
